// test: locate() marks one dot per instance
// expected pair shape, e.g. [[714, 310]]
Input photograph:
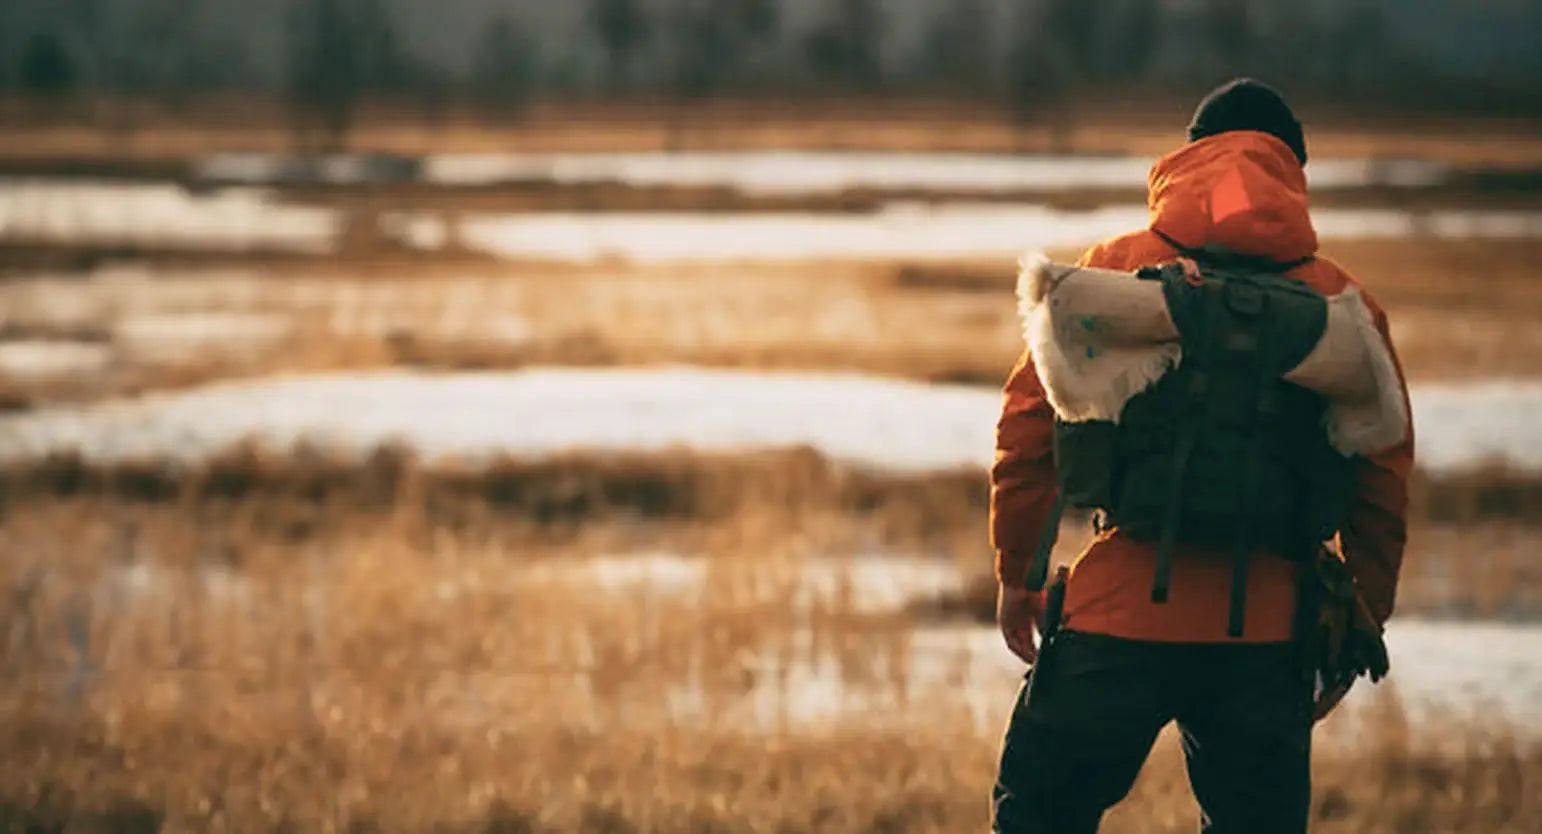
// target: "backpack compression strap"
[[1180, 295], [1038, 569], [1264, 407]]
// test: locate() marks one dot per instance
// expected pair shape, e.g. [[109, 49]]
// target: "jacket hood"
[[1243, 190]]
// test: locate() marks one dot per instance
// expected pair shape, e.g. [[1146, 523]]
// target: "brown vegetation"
[[1458, 309], [587, 487], [386, 773], [1096, 123], [296, 640], [1471, 552], [392, 679]]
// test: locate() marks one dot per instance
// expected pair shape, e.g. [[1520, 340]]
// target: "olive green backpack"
[[1221, 451]]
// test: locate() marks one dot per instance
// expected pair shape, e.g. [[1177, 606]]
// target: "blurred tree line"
[[1032, 56]]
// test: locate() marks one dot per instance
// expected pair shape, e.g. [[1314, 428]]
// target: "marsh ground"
[[624, 639]]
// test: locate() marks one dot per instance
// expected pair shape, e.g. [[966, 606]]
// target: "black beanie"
[[1245, 104]]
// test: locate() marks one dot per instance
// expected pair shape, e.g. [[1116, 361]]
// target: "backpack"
[[1221, 451]]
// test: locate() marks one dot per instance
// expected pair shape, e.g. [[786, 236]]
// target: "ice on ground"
[[245, 219], [1492, 670], [1459, 426], [792, 173], [898, 424], [159, 215], [184, 335], [886, 423], [873, 582], [41, 359], [899, 231], [1455, 668], [1490, 667], [779, 173], [915, 231]]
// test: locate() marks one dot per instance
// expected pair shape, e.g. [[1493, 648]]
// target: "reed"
[[397, 679]]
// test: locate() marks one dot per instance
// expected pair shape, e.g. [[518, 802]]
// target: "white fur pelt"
[[1099, 337], [1088, 369], [1353, 368]]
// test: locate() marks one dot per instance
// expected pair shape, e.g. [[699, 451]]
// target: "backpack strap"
[[1038, 569], [1174, 286], [1233, 260], [1172, 516], [1265, 406]]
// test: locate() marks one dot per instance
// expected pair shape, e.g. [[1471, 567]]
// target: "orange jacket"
[[1245, 191]]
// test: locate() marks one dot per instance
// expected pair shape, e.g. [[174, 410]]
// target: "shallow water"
[[881, 422]]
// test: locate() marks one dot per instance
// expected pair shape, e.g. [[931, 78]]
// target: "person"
[[1126, 665]]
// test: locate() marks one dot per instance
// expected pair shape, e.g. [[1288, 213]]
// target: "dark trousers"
[[1074, 747]]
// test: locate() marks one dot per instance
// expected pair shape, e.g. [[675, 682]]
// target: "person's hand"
[[1330, 697], [1017, 614]]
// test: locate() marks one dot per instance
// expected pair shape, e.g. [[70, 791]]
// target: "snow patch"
[[913, 231], [892, 424], [35, 360], [159, 215], [793, 173]]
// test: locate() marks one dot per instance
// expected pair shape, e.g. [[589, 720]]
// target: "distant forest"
[[325, 56]]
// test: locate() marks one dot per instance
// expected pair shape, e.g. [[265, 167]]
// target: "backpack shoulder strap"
[[1234, 260]]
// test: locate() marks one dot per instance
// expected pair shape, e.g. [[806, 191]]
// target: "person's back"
[[1127, 661]]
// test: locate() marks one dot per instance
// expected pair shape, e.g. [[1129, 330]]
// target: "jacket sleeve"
[[1376, 529], [1023, 481]]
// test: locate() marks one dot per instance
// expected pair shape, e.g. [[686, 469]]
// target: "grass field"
[[1458, 309], [1472, 552], [398, 677], [377, 769], [636, 642]]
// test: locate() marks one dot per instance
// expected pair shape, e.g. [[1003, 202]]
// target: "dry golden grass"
[[1458, 310], [295, 642], [397, 678], [291, 775], [282, 496], [1472, 551], [811, 316], [585, 487]]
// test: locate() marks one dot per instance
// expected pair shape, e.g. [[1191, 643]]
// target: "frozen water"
[[159, 215], [794, 173], [880, 422], [902, 230]]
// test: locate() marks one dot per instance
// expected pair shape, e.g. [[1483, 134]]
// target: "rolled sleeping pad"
[[1100, 336]]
